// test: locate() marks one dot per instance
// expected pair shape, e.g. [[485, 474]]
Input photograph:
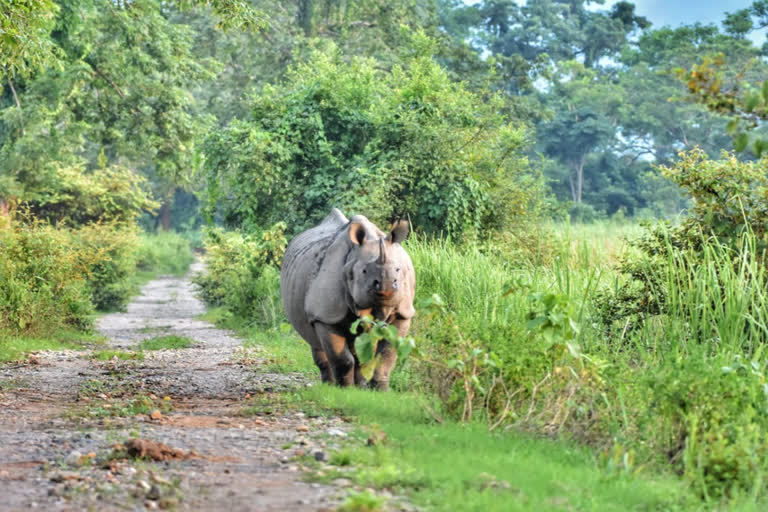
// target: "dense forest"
[[587, 194], [585, 102]]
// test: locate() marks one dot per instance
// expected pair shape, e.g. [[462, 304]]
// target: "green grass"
[[450, 465], [639, 413], [169, 342], [281, 349], [123, 355], [164, 253], [15, 347]]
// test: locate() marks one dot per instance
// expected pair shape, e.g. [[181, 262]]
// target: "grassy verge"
[[439, 466], [279, 349], [170, 342], [14, 347]]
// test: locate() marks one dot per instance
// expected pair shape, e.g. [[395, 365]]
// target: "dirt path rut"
[[78, 433]]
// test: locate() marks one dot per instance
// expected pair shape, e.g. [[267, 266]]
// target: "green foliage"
[[729, 196], [120, 95], [54, 277], [166, 343], [370, 333], [108, 278], [78, 197], [346, 134], [242, 273], [712, 421], [164, 253], [722, 240], [25, 46], [43, 279]]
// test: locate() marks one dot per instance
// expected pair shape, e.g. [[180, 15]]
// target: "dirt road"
[[79, 433]]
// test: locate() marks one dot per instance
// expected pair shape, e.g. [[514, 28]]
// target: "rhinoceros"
[[337, 272]]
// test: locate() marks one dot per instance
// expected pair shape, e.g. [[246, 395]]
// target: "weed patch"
[[14, 347], [123, 355], [169, 342]]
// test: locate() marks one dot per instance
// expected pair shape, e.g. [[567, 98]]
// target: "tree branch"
[[18, 105], [106, 79]]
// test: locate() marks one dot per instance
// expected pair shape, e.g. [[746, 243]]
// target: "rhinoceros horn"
[[382, 252]]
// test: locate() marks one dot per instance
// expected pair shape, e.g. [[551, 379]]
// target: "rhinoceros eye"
[[364, 272], [397, 270]]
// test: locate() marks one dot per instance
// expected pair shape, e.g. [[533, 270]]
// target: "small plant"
[[551, 318], [169, 342], [107, 355], [373, 333], [362, 502]]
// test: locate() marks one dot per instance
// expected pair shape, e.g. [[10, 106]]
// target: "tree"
[[120, 93], [382, 143], [585, 120]]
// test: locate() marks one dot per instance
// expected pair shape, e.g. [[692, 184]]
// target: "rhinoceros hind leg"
[[341, 360], [321, 360]]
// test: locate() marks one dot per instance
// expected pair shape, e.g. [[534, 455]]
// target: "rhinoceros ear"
[[399, 232], [356, 233]]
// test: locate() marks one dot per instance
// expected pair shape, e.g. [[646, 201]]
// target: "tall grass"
[[684, 389], [165, 252]]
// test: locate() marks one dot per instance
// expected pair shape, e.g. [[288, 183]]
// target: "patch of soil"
[[176, 414]]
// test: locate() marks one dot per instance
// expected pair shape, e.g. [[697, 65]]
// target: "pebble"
[[336, 432], [73, 459], [320, 456], [302, 428]]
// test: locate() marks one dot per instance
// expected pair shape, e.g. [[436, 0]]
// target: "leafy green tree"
[[585, 120], [120, 94], [370, 141]]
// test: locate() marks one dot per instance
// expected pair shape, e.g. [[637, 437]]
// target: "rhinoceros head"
[[375, 272]]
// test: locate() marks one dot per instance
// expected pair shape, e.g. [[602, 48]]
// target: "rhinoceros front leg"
[[321, 360], [388, 355], [340, 358]]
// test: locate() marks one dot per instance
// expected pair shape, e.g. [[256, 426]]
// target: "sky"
[[678, 12]]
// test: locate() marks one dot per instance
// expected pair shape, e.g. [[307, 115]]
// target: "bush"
[[242, 274], [109, 276], [710, 417], [52, 277], [43, 284], [164, 253], [725, 233], [348, 134], [79, 197]]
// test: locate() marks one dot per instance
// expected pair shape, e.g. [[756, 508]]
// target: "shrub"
[[710, 417], [345, 133], [242, 274], [109, 275], [79, 197], [165, 253], [43, 284]]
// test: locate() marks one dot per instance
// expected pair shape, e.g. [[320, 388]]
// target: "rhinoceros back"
[[301, 264]]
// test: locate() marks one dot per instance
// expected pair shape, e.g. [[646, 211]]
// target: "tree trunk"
[[304, 16], [580, 178], [163, 220]]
